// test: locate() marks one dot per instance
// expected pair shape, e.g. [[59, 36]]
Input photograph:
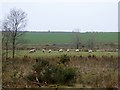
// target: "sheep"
[[43, 50], [61, 50], [90, 51], [77, 50], [32, 50], [68, 50], [49, 51], [116, 50]]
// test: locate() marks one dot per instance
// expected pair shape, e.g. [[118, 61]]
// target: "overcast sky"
[[66, 15]]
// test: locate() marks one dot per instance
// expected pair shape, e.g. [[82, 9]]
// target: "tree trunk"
[[13, 51], [77, 46], [6, 53]]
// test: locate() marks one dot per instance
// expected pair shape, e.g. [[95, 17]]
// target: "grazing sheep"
[[32, 50], [116, 50], [77, 50], [90, 51], [61, 50], [43, 50], [68, 50], [49, 51]]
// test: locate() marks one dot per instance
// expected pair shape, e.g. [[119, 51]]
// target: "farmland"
[[67, 37], [82, 69], [44, 59], [39, 53]]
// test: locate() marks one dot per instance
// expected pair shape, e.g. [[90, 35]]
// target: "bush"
[[38, 69], [40, 65], [59, 75], [69, 74], [64, 59], [31, 77], [52, 74]]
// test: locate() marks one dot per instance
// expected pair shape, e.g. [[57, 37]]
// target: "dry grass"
[[93, 71]]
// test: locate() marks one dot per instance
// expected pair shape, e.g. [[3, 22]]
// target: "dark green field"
[[67, 37]]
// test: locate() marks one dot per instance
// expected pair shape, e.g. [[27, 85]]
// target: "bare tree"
[[15, 24], [77, 38], [91, 41], [5, 39]]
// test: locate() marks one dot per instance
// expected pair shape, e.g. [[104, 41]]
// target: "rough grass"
[[95, 70]]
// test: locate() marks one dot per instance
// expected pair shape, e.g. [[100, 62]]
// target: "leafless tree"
[[15, 23], [5, 39], [77, 38], [91, 41]]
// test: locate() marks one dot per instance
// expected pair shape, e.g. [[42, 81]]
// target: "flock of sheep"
[[60, 50]]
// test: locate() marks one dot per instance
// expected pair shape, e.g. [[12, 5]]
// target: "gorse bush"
[[70, 74], [64, 59], [31, 77], [39, 68], [52, 74], [60, 75], [40, 65]]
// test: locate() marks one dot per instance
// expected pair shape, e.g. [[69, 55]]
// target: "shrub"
[[52, 74], [59, 74], [38, 69], [69, 74], [40, 65], [64, 59], [31, 77]]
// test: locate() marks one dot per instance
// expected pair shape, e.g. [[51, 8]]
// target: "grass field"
[[39, 53], [93, 70], [66, 37]]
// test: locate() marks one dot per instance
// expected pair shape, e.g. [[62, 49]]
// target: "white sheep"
[[43, 50], [116, 50], [32, 50], [61, 50], [68, 50], [49, 51], [90, 51], [77, 50]]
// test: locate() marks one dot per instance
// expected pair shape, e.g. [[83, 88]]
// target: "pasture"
[[39, 53], [72, 69], [67, 37]]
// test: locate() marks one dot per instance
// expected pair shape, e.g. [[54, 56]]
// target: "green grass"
[[67, 37], [22, 53]]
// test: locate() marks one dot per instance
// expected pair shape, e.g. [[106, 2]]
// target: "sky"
[[66, 15]]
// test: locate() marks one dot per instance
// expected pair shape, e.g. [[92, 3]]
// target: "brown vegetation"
[[92, 71]]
